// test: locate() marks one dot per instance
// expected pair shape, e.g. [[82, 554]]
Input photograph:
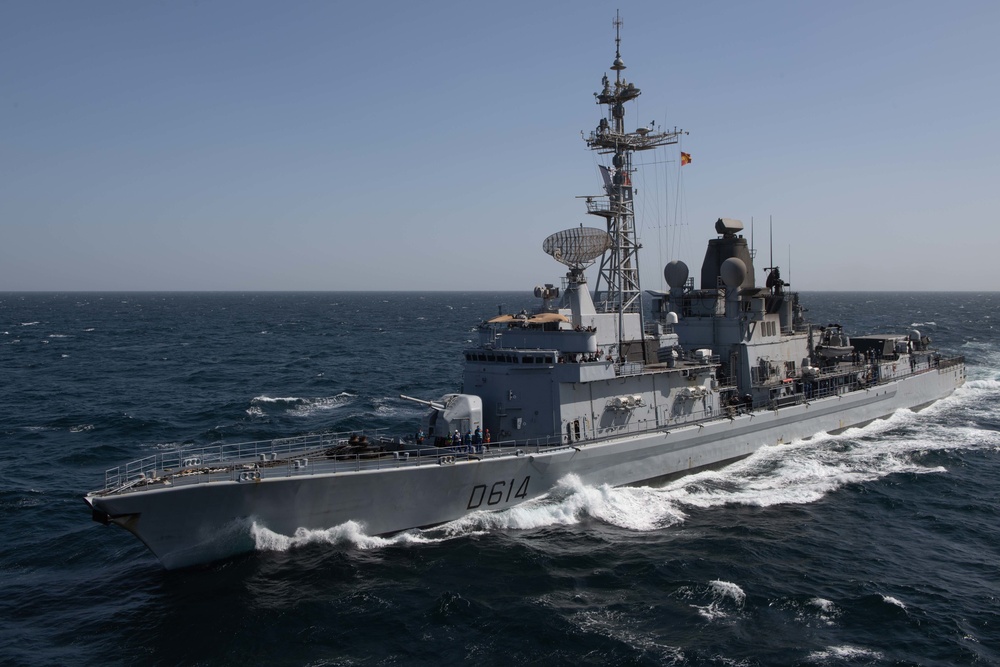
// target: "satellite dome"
[[733, 272], [676, 273]]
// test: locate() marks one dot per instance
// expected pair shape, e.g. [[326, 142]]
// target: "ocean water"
[[877, 546]]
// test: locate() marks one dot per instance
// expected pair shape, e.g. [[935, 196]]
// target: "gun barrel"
[[432, 404]]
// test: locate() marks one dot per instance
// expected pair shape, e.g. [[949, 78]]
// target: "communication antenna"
[[774, 281], [770, 231], [617, 23]]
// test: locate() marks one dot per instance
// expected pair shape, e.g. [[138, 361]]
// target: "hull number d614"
[[499, 492]]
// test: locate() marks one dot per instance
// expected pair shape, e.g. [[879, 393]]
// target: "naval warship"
[[591, 383]]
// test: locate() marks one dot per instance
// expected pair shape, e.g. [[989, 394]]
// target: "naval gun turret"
[[454, 412]]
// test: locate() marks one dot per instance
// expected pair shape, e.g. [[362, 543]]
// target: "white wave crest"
[[349, 533], [725, 598], [895, 601], [302, 407], [727, 589], [839, 654], [324, 403], [823, 604], [384, 408], [826, 611], [277, 399], [170, 446]]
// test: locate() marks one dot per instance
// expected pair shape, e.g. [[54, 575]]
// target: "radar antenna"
[[577, 247]]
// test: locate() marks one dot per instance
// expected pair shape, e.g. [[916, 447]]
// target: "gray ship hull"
[[186, 525]]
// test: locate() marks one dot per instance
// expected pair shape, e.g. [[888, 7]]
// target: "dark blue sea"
[[878, 546]]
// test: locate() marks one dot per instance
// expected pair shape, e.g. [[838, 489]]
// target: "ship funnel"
[[731, 245]]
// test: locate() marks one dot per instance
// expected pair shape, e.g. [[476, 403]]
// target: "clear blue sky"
[[434, 145]]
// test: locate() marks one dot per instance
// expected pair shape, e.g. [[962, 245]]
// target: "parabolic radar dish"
[[577, 247]]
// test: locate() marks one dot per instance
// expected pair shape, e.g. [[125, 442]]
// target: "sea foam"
[[349, 533], [299, 406], [841, 654]]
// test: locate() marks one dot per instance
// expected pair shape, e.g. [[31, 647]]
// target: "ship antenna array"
[[617, 288], [618, 40]]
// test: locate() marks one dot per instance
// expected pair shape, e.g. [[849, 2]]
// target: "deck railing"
[[194, 469], [175, 461]]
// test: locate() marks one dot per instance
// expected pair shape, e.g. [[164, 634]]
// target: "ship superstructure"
[[588, 384]]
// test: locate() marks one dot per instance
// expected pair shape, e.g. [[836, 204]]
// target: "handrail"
[[180, 459]]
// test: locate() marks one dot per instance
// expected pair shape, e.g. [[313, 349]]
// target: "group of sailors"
[[582, 358], [472, 441]]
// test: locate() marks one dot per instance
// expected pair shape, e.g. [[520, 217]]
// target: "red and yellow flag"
[[685, 158]]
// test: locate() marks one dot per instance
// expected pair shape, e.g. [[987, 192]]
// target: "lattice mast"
[[619, 270]]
